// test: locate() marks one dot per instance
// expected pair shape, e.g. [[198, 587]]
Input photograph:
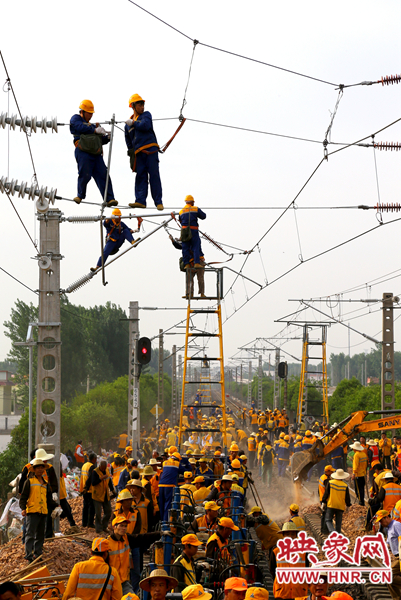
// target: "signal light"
[[144, 351], [282, 370]]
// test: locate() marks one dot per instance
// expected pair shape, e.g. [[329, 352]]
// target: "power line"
[[233, 53], [15, 279], [22, 222]]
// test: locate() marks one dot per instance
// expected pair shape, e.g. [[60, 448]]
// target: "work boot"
[[198, 266], [160, 207], [186, 266], [112, 203], [137, 205], [185, 297], [203, 296], [77, 200], [94, 269], [133, 241]]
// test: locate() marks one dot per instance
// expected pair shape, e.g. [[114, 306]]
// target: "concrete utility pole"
[[160, 394], [387, 379], [250, 384], [48, 402], [276, 380], [134, 423], [174, 411], [260, 378]]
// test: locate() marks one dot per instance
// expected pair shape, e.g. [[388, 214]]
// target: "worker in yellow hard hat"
[[117, 233], [143, 151], [89, 140], [189, 216]]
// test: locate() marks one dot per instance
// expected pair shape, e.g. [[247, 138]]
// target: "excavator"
[[352, 426]]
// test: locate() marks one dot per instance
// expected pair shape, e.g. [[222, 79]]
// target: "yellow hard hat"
[[189, 200], [282, 434], [116, 212], [287, 438], [135, 98], [87, 106]]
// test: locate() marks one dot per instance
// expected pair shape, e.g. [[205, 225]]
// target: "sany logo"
[[335, 549]]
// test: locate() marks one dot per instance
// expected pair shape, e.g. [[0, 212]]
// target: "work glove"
[[100, 131], [323, 506], [56, 512], [54, 497], [129, 122]]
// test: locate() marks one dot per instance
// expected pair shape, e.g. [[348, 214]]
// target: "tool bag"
[[90, 143], [186, 233], [132, 159]]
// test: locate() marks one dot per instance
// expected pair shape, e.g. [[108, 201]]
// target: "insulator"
[[32, 191], [388, 146], [3, 120], [43, 125], [2, 184], [393, 207], [52, 195], [83, 219], [390, 79], [22, 123], [11, 186], [22, 189], [79, 283], [54, 124], [33, 123], [42, 206], [11, 121]]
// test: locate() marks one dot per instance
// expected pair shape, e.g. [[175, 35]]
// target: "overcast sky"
[[61, 53]]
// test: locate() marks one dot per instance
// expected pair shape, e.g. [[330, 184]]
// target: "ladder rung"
[[203, 311], [197, 358], [315, 372], [315, 358], [203, 335], [209, 382], [315, 344], [207, 298], [202, 406]]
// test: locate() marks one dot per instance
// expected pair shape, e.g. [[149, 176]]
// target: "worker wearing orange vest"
[[207, 523], [288, 590], [254, 421], [217, 544], [373, 457], [88, 510], [88, 577], [119, 552], [390, 493], [131, 515], [385, 450], [359, 468], [79, 455], [252, 447]]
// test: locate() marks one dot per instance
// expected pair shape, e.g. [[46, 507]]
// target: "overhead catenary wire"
[[18, 280], [230, 52]]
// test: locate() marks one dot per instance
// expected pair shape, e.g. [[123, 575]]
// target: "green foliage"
[[13, 459]]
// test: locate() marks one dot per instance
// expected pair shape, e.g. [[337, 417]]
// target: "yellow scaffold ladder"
[[205, 383], [304, 385]]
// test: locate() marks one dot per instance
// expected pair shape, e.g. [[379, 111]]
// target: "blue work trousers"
[[282, 464], [135, 572], [113, 247], [90, 165], [165, 501], [147, 172], [193, 249]]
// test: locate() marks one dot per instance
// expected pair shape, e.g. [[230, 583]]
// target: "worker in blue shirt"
[[90, 161], [189, 216], [143, 151], [200, 274], [167, 482], [117, 233]]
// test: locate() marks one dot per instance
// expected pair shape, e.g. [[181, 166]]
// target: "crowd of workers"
[[210, 482]]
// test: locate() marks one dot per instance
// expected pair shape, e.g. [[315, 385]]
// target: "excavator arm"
[[355, 424]]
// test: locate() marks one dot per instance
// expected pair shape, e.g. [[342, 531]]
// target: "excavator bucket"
[[302, 462]]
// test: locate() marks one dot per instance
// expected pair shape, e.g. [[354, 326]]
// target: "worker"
[[123, 440], [143, 151], [373, 457], [192, 271], [393, 535], [168, 481], [221, 490], [158, 584], [385, 450], [252, 447], [298, 444], [339, 595], [184, 569], [11, 591], [390, 493], [64, 505], [188, 218], [124, 507], [117, 233], [147, 475], [266, 529], [88, 509], [335, 499], [359, 467], [36, 503], [91, 576], [318, 591], [119, 552], [79, 455], [116, 467], [102, 490], [288, 590], [283, 455], [217, 465], [235, 588], [323, 480], [126, 475], [89, 140], [217, 544], [337, 457], [236, 487], [145, 509], [207, 522], [295, 518], [201, 491], [205, 471]]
